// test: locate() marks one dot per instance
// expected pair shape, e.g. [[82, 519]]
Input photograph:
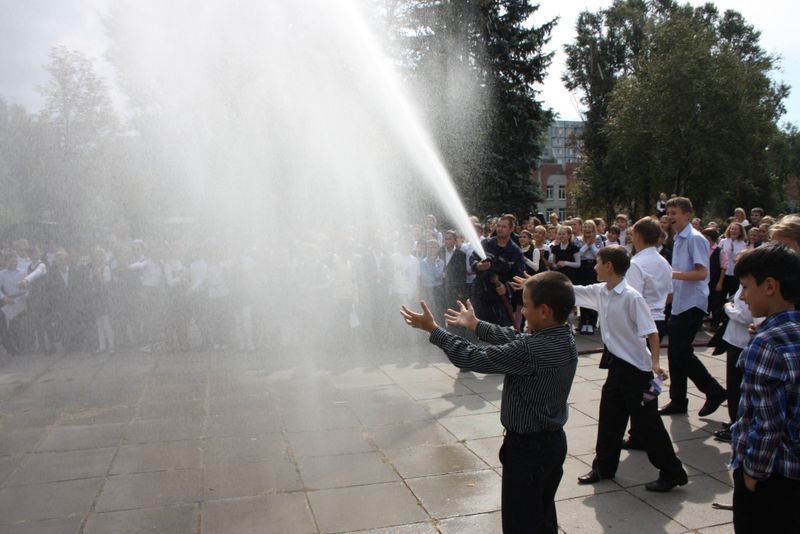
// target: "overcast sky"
[[28, 28]]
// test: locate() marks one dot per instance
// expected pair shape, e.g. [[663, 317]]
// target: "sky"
[[29, 28]]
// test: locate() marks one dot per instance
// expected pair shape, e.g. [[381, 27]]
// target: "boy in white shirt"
[[630, 371], [651, 275]]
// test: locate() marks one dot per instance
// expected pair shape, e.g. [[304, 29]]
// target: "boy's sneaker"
[[590, 329]]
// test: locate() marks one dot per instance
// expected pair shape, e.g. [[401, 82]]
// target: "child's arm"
[[588, 296], [465, 317], [655, 349]]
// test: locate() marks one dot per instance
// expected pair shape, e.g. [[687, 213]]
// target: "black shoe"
[[673, 408], [663, 485], [724, 435], [632, 444], [592, 477], [712, 403]]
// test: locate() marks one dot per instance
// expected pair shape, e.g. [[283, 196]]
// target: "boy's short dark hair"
[[772, 260], [682, 203], [616, 255], [614, 229], [554, 289], [648, 229]]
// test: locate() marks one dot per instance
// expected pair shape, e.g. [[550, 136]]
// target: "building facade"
[[563, 143]]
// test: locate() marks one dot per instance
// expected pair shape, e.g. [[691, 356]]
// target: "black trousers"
[[532, 469], [621, 398], [733, 381], [770, 508], [683, 363]]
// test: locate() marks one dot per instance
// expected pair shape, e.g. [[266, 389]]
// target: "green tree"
[[605, 50], [690, 107], [696, 117], [81, 132], [479, 61], [784, 161]]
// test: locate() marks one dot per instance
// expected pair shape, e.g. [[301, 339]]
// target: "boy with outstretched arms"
[[630, 372], [539, 368], [766, 435]]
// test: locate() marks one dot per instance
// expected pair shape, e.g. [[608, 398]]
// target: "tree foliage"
[[479, 60], [680, 100]]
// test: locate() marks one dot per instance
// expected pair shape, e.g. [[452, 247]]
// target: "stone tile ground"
[[387, 441]]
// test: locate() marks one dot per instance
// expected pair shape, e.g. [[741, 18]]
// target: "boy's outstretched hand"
[[464, 316], [423, 321]]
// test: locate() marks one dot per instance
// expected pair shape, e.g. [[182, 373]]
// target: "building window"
[[562, 192], [562, 214], [549, 192]]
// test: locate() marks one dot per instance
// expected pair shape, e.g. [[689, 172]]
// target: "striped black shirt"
[[539, 369]]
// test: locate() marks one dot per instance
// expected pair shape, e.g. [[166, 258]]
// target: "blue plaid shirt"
[[766, 436]]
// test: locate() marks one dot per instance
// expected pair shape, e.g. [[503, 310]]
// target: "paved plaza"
[[384, 441]]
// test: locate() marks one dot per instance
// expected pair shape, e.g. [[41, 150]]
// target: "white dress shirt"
[[625, 309], [651, 275], [148, 270]]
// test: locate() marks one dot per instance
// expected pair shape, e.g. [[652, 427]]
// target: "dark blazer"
[[455, 277]]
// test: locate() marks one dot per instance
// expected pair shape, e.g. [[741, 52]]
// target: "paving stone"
[[578, 419], [244, 449], [65, 438], [359, 377], [488, 449], [162, 456], [473, 524], [175, 519], [329, 442], [323, 418], [57, 466], [435, 390], [458, 406], [20, 441], [269, 514], [172, 410], [47, 501], [458, 494], [243, 425], [365, 507], [7, 466], [424, 461], [376, 414], [416, 528], [690, 505], [242, 405], [419, 433], [569, 487], [68, 525], [158, 430], [319, 472], [30, 419], [707, 455], [484, 383], [173, 392], [374, 395], [617, 512], [150, 490], [473, 426], [726, 477], [581, 440], [91, 415], [413, 375], [237, 479]]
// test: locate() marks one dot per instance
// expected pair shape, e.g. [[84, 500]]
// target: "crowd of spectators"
[[213, 295]]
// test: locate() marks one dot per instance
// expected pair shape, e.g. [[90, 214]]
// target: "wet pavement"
[[390, 441]]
